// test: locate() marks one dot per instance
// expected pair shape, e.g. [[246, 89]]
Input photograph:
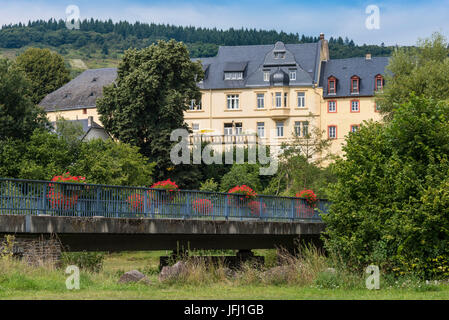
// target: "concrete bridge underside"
[[132, 234]]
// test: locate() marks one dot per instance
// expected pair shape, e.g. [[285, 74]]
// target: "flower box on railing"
[[306, 208], [65, 196], [165, 192], [257, 208], [240, 196], [202, 206]]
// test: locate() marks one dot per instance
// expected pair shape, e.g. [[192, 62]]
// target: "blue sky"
[[401, 22]]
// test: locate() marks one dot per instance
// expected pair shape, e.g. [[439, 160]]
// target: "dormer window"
[[378, 84], [331, 85], [279, 55], [293, 75], [266, 76], [355, 84], [233, 75]]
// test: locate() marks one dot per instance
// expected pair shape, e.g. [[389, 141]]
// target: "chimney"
[[368, 56], [90, 119], [324, 50]]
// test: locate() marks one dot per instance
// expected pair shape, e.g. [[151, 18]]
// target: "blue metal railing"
[[33, 197]]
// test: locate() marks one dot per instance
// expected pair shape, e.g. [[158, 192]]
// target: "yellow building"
[[275, 91]]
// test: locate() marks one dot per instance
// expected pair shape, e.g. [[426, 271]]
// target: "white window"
[[280, 128], [279, 55], [305, 128], [233, 75], [238, 128], [355, 85], [331, 86], [266, 76], [233, 101], [298, 128], [195, 126], [301, 99], [354, 128], [260, 101], [332, 132], [332, 106], [261, 129], [355, 106], [195, 106], [379, 83], [278, 99], [227, 129], [293, 75]]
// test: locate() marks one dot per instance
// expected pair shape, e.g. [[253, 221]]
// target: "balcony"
[[221, 139], [279, 113]]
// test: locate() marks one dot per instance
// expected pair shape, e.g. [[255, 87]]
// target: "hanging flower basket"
[[168, 190], [306, 209], [136, 202], [243, 195], [65, 197], [255, 208], [202, 206]]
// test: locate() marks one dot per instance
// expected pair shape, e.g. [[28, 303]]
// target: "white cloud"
[[399, 24]]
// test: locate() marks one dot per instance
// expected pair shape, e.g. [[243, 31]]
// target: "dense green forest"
[[107, 36]]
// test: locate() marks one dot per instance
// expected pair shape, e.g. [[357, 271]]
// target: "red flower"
[[202, 206], [255, 207], [135, 202], [165, 185], [63, 199], [310, 197], [159, 198], [246, 192]]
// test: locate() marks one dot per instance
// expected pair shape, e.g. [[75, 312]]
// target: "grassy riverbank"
[[18, 281]]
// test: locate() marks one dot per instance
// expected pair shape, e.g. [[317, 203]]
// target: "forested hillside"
[[109, 37]]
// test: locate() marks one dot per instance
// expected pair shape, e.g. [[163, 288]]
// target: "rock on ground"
[[279, 274], [176, 270], [134, 276]]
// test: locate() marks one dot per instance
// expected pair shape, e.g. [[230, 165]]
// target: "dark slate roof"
[[344, 69], [81, 92], [235, 66], [85, 124], [253, 60], [259, 58]]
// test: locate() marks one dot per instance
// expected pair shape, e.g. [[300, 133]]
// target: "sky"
[[399, 22]]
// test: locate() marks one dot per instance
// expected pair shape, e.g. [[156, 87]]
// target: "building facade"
[[276, 91]]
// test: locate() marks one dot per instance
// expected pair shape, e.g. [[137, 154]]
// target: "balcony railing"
[[30, 197]]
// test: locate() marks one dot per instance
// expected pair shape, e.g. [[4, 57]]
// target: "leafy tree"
[[209, 185], [148, 100], [45, 155], [72, 132], [46, 71], [202, 42], [10, 151], [19, 117], [300, 165], [113, 163], [390, 205], [423, 70], [242, 174]]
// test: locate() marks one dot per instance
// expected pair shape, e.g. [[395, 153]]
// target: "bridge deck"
[[116, 234]]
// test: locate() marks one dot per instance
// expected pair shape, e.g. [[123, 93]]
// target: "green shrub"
[[89, 261], [328, 280], [390, 206]]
